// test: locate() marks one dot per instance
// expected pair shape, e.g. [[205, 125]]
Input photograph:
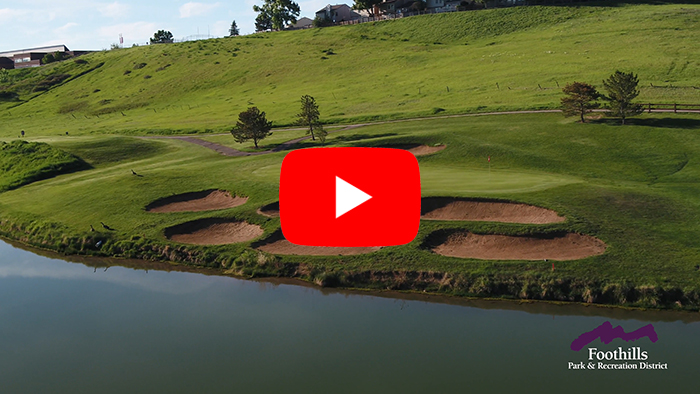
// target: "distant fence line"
[[675, 107], [648, 107]]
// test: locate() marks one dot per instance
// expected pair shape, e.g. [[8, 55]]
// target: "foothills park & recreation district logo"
[[620, 358]]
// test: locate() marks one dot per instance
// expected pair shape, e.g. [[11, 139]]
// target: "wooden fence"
[[672, 107]]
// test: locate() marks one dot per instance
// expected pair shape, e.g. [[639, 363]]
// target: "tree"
[[162, 36], [48, 58], [251, 125], [367, 5], [580, 100], [278, 13], [418, 6], [320, 21], [233, 30], [4, 75], [309, 117], [263, 22], [622, 89]]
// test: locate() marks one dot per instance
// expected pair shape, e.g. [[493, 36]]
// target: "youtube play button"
[[350, 197]]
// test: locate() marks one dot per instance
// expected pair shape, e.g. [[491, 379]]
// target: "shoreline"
[[325, 282]]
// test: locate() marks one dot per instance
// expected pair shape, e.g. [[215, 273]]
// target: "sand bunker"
[[501, 247], [270, 210], [213, 232], [422, 150], [278, 245], [417, 149], [442, 208], [207, 200]]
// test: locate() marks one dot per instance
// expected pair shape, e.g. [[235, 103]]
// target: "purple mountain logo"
[[606, 332]]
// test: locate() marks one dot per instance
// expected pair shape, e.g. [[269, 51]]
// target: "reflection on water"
[[94, 326]]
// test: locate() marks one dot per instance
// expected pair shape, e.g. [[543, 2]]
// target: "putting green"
[[442, 180]]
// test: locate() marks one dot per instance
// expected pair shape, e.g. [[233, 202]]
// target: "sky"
[[94, 25]]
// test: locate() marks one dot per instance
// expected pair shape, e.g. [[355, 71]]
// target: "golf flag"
[[489, 159], [121, 39]]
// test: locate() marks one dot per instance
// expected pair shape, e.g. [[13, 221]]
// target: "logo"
[[350, 197], [618, 358], [607, 333]]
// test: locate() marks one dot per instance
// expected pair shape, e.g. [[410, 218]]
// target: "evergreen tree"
[[622, 89], [309, 117], [580, 99], [233, 30], [251, 125]]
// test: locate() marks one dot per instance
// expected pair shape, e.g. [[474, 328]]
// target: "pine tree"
[[622, 89], [309, 117], [580, 100], [233, 31], [251, 125]]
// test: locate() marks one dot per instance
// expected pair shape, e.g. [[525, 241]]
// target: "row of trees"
[[253, 124], [582, 98]]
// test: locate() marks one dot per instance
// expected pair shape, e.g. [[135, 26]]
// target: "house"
[[302, 23], [337, 13], [395, 6], [31, 57], [437, 5]]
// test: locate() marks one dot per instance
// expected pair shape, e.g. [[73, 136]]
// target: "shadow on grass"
[[673, 123]]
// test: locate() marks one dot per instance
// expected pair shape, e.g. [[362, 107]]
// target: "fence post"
[[649, 107], [675, 108]]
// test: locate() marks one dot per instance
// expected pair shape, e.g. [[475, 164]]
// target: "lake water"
[[68, 327]]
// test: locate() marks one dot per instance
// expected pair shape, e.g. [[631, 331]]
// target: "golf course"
[[128, 153]]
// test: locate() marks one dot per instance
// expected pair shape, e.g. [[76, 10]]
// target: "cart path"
[[287, 145]]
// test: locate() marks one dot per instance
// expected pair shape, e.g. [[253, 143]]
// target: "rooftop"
[[46, 49]]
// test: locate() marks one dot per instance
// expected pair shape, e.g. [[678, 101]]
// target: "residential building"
[[302, 23], [337, 13], [31, 57]]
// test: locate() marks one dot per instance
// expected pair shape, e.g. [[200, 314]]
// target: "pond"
[[92, 326]]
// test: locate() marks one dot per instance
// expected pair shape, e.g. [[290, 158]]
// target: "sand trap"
[[417, 149], [422, 150], [501, 247], [270, 210], [443, 208], [213, 232], [278, 245], [207, 200]]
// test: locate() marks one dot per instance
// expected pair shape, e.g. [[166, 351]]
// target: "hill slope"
[[24, 162], [513, 58]]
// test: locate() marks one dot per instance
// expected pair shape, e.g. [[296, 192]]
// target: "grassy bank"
[[24, 162], [514, 58], [632, 186]]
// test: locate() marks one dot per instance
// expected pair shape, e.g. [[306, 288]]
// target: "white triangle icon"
[[347, 197]]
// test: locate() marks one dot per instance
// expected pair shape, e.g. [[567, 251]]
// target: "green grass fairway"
[[639, 195], [514, 58]]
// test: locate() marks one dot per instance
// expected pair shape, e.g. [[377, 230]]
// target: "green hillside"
[[488, 60], [24, 162]]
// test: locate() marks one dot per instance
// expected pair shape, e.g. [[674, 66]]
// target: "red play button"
[[350, 197]]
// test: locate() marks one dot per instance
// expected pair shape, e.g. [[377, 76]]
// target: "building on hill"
[[31, 57], [337, 13], [302, 23]]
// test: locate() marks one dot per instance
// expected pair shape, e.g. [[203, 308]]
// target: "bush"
[[322, 22], [48, 58]]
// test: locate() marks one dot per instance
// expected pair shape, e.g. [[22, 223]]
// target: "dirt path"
[[228, 151]]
